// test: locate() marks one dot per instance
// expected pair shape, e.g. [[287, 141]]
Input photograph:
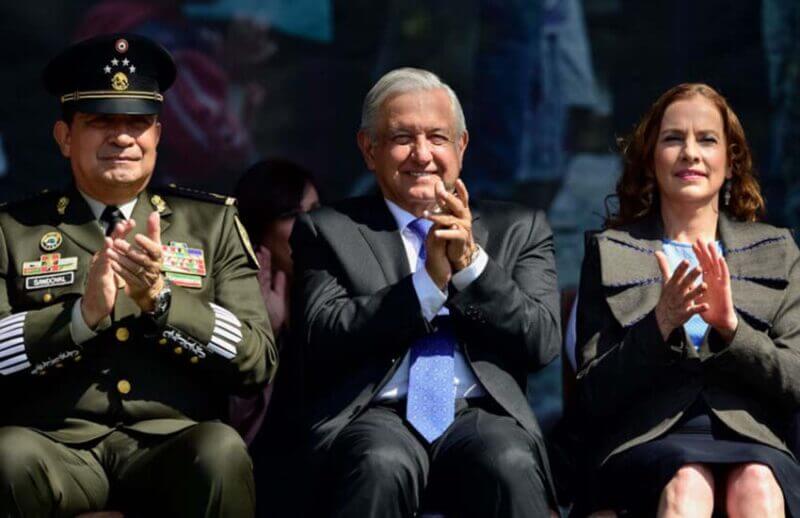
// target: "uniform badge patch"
[[245, 240], [51, 241], [49, 281], [49, 263], [184, 280], [182, 265]]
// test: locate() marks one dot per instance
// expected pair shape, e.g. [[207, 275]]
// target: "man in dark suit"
[[127, 315], [421, 317]]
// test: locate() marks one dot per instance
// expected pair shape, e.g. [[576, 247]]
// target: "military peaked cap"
[[112, 73]]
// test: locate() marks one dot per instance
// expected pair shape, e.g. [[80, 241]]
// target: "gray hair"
[[401, 81]]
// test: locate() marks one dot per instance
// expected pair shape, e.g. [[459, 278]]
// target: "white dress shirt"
[[78, 328], [432, 300]]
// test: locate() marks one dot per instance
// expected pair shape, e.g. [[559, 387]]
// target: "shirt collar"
[[402, 217], [97, 207]]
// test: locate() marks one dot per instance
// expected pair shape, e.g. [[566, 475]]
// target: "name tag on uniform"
[[182, 265], [49, 263], [49, 281]]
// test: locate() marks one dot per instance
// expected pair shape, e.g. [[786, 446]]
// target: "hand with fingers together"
[[454, 225], [679, 296], [100, 295], [139, 265], [274, 289], [717, 298]]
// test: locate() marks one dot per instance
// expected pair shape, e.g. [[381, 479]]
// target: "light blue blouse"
[[676, 252]]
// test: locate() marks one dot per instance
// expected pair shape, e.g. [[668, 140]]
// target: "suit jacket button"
[[122, 334], [123, 386]]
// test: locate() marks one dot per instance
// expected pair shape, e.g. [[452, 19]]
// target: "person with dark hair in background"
[[128, 315], [421, 313], [688, 325], [270, 196]]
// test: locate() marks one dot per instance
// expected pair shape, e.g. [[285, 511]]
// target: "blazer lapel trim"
[[629, 270], [756, 257]]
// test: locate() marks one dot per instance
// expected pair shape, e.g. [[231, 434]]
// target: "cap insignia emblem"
[[119, 82]]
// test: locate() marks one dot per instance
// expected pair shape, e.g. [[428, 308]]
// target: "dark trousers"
[[484, 465], [200, 471]]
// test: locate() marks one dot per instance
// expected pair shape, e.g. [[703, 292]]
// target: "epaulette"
[[7, 204], [195, 194]]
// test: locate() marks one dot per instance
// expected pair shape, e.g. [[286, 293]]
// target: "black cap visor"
[[119, 105]]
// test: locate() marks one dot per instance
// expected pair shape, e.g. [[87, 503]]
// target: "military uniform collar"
[[97, 207]]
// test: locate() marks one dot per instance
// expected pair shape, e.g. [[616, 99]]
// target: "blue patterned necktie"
[[431, 398]]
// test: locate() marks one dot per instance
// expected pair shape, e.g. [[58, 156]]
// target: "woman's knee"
[[692, 486], [752, 486]]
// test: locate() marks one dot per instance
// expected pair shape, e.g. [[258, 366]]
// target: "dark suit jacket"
[[357, 312], [634, 386], [71, 392]]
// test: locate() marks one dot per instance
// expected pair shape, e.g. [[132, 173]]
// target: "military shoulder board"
[[195, 194]]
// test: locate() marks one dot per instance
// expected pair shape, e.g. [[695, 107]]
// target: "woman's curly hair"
[[637, 190]]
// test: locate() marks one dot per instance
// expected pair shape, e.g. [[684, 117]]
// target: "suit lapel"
[[383, 238]]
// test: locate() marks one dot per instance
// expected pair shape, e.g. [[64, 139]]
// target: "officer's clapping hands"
[[139, 265]]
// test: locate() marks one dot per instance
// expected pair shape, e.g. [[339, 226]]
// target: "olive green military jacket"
[[148, 376], [634, 386]]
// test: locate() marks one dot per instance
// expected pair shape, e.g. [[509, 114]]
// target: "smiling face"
[[416, 146], [691, 154], [112, 156]]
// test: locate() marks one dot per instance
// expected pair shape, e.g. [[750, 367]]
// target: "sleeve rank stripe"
[[11, 342], [219, 342], [13, 318], [230, 320], [220, 324], [12, 350], [15, 368], [222, 352], [227, 315], [219, 332], [219, 309], [11, 332], [14, 360]]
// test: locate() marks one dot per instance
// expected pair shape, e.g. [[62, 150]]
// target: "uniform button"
[[163, 341], [178, 350], [194, 359], [47, 298], [123, 386], [123, 334], [59, 365], [78, 358]]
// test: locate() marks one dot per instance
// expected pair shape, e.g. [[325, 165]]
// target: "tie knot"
[[419, 228], [111, 216]]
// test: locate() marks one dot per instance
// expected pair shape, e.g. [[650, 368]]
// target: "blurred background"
[[547, 86]]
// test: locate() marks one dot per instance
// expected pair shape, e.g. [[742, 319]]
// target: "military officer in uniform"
[[127, 315]]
